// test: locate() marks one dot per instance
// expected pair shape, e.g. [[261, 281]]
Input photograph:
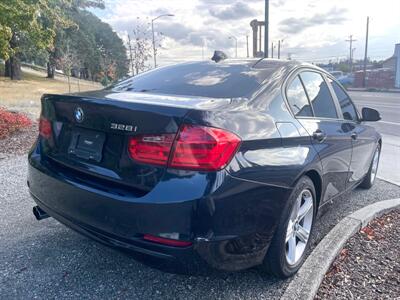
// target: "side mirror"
[[370, 114]]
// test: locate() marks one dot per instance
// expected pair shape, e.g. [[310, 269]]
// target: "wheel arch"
[[317, 181]]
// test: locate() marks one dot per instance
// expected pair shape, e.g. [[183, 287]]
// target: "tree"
[[30, 28], [70, 13], [5, 37], [98, 47], [22, 20], [67, 62], [140, 48]]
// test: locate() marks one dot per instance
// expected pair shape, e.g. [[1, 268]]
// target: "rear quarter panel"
[[276, 150]]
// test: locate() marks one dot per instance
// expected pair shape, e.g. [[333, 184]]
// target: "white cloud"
[[311, 29]]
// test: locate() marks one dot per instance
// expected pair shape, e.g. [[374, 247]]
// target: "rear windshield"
[[206, 79]]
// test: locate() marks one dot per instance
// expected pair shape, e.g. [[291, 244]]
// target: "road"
[[46, 260], [388, 104]]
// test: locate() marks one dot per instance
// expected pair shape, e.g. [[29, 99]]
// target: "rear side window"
[[298, 100], [348, 109], [319, 95]]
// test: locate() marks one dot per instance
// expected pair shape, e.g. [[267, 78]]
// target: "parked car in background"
[[221, 163], [344, 79]]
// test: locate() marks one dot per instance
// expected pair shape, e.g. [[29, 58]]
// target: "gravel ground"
[[47, 260], [19, 143], [369, 265]]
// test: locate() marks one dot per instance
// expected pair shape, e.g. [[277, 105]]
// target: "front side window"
[[298, 100], [348, 109], [319, 95]]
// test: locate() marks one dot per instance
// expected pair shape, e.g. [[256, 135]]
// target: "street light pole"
[[280, 42], [351, 40], [366, 55], [247, 43], [235, 38], [154, 41]]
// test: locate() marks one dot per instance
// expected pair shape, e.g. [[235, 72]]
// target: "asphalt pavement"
[[388, 104], [42, 260]]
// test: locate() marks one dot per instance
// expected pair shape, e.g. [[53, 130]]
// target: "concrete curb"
[[388, 181], [306, 282]]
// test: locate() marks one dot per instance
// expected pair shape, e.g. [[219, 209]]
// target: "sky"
[[310, 30]]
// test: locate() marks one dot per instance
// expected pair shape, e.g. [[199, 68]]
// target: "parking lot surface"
[[47, 260], [388, 105]]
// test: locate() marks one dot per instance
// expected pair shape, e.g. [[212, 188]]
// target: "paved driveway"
[[47, 260]]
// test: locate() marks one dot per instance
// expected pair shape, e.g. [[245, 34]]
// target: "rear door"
[[363, 136], [330, 136]]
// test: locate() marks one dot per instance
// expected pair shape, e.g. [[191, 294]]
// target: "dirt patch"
[[368, 267]]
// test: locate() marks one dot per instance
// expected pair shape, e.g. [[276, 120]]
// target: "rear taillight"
[[203, 148], [45, 128], [151, 149], [194, 148]]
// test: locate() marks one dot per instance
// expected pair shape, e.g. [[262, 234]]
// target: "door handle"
[[354, 135], [319, 135]]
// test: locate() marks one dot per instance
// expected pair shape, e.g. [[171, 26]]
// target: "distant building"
[[390, 63], [397, 54], [386, 77]]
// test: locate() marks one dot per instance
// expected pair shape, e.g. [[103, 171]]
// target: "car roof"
[[258, 63]]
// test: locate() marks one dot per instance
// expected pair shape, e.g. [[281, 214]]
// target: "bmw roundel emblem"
[[79, 115]]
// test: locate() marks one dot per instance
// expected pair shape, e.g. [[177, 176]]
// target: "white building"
[[397, 54]]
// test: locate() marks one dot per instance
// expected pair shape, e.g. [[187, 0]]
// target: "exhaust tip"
[[39, 213]]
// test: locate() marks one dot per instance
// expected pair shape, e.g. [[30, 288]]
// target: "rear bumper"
[[230, 221], [134, 244]]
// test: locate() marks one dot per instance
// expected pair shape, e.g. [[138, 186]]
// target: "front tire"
[[292, 238], [369, 179]]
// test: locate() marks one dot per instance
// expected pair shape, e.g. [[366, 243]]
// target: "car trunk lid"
[[91, 132]]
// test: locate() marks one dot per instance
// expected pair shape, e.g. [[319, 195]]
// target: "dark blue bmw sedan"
[[224, 163]]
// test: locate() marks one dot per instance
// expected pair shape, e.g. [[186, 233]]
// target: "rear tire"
[[292, 237], [369, 179]]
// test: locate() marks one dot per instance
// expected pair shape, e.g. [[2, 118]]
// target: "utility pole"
[[247, 42], [266, 28], [279, 49], [366, 55], [351, 40], [272, 49]]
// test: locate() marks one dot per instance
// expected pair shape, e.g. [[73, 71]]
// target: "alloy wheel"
[[299, 226], [375, 163]]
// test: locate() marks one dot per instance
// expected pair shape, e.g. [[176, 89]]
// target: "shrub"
[[11, 122]]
